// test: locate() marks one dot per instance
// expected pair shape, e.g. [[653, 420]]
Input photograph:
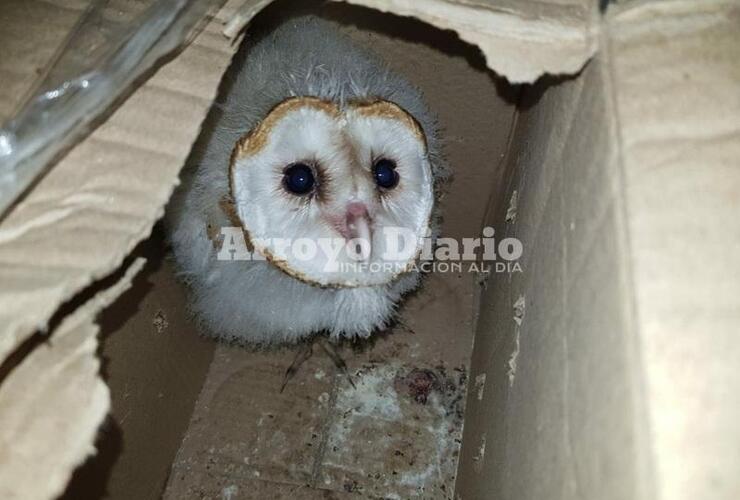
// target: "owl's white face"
[[311, 171]]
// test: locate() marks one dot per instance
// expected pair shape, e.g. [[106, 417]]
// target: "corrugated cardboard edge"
[[53, 403], [98, 202], [520, 40]]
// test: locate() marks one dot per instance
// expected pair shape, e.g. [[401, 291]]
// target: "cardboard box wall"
[[619, 381], [610, 365]]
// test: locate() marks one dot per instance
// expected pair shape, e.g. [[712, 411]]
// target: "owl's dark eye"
[[298, 178], [385, 173]]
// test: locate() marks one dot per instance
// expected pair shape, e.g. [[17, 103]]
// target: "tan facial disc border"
[[256, 139]]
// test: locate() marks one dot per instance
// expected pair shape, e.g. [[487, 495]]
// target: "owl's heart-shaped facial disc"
[[338, 197]]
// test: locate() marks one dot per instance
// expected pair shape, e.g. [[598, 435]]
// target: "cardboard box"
[[606, 369]]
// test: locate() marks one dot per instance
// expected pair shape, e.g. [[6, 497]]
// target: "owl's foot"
[[331, 351], [406, 328], [305, 351]]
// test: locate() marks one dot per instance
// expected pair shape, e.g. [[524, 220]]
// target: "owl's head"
[[335, 196]]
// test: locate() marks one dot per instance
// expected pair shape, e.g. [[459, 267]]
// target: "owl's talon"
[[304, 352], [406, 327], [331, 351]]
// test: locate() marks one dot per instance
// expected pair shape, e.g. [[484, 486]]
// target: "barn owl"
[[315, 139]]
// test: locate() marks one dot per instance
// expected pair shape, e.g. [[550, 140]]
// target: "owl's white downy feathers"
[[304, 95]]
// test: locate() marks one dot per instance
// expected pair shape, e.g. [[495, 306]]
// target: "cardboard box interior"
[[238, 431], [607, 369]]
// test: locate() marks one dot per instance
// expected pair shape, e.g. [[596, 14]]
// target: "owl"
[[315, 141]]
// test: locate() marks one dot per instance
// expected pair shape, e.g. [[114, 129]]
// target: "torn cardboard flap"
[[521, 40], [53, 403]]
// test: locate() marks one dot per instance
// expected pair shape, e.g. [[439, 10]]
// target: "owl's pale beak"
[[358, 225]]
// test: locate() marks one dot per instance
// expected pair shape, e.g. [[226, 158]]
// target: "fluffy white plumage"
[[254, 301]]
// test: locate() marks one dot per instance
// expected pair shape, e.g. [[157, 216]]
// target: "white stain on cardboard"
[[519, 307]]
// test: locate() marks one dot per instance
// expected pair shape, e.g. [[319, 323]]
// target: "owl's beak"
[[358, 224]]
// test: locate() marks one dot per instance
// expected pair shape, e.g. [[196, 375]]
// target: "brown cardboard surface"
[[677, 76], [154, 362], [557, 414], [614, 373]]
